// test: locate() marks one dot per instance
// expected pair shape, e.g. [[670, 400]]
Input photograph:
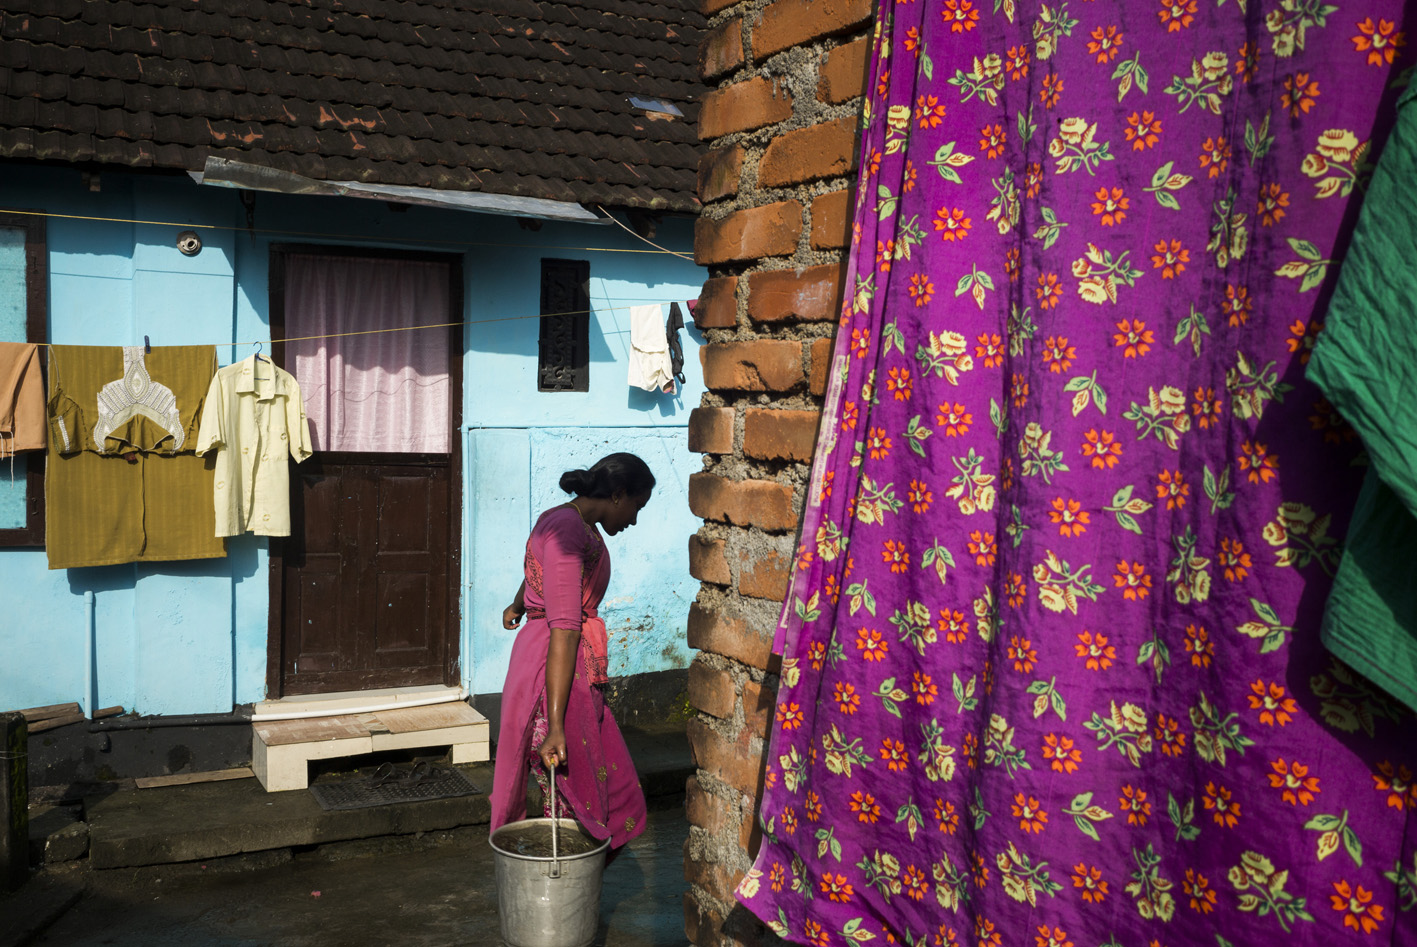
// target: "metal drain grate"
[[360, 792]]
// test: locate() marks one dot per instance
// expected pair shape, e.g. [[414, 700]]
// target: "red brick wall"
[[781, 124]]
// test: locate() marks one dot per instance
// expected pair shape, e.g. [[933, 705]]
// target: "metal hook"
[[258, 350]]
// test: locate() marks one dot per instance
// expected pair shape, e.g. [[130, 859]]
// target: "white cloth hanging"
[[650, 366]]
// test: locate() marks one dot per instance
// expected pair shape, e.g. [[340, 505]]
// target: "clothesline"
[[440, 325], [381, 238]]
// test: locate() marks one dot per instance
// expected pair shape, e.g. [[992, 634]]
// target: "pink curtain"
[[380, 391]]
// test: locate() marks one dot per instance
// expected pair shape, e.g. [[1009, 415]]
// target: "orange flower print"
[[1065, 756], [847, 700], [982, 547], [1273, 200], [960, 15], [1011, 266], [1224, 810], [1381, 42], [898, 383], [1247, 62], [921, 289], [1110, 205], [872, 646], [1198, 646], [789, 820], [1031, 818], [1299, 93], [864, 805], [1233, 560], [1052, 90], [1354, 901], [1269, 699], [1175, 14], [1088, 880], [984, 933], [836, 887], [1170, 258], [1051, 937], [1397, 783], [946, 816], [1016, 61], [924, 689], [1169, 735], [878, 444], [1058, 355], [1133, 802], [1018, 390], [929, 111], [1022, 654], [883, 84], [1257, 463], [893, 752], [911, 177], [804, 557], [1014, 589], [884, 251], [919, 497], [813, 806], [1331, 423], [849, 413], [1048, 291], [789, 715], [1237, 305], [969, 748], [912, 41], [1103, 448], [954, 419], [817, 936], [1215, 155], [1032, 179], [1069, 516], [776, 876], [832, 587], [1133, 338], [1132, 580], [953, 624], [952, 224], [1206, 408], [1302, 338], [1094, 648], [1197, 888], [893, 554], [1173, 489], [945, 936], [1143, 130], [1105, 43], [991, 140], [1299, 787], [860, 342], [873, 163], [915, 883], [817, 653], [990, 350]]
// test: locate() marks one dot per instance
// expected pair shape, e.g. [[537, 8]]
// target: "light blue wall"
[[13, 310], [178, 638]]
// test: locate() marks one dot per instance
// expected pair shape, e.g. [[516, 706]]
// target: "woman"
[[553, 704]]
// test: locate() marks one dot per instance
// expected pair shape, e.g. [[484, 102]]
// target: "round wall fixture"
[[189, 243]]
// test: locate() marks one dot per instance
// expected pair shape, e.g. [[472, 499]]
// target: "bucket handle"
[[555, 870]]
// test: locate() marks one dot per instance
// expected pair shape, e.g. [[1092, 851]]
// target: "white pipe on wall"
[[90, 664]]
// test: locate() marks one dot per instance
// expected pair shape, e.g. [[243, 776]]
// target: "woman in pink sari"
[[553, 703]]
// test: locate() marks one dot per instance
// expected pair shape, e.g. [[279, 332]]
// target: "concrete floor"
[[435, 891]]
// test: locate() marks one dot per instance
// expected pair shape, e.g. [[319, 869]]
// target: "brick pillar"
[[777, 187]]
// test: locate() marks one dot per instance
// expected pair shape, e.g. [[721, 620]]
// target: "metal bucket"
[[547, 902]]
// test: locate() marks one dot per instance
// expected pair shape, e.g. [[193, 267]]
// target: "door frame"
[[275, 638]]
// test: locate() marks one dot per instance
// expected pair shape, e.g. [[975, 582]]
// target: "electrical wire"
[[613, 220]]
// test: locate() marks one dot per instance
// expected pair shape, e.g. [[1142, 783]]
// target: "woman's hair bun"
[[577, 481]]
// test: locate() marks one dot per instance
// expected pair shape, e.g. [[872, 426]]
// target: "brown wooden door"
[[365, 573]]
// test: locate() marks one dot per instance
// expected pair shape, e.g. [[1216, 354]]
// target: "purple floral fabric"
[[1051, 669]]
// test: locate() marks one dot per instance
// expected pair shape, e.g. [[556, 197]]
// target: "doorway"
[[364, 591]]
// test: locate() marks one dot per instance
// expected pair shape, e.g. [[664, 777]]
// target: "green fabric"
[[1366, 363]]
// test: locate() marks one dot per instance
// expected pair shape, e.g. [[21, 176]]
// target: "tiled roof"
[[511, 97]]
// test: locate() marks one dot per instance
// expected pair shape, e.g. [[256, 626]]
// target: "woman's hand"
[[553, 748], [512, 615]]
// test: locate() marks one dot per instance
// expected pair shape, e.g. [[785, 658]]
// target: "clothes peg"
[[147, 346]]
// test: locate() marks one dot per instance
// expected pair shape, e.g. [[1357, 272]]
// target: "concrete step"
[[212, 820], [351, 700]]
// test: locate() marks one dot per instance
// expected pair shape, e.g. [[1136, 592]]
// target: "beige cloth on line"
[[129, 497], [254, 418], [22, 424]]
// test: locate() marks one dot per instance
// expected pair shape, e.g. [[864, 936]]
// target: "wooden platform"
[[281, 750]]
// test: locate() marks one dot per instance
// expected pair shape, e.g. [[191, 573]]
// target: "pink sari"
[[567, 571]]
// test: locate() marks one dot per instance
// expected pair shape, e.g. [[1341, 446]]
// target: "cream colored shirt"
[[253, 416]]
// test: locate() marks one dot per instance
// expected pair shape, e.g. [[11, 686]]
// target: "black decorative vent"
[[563, 352]]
